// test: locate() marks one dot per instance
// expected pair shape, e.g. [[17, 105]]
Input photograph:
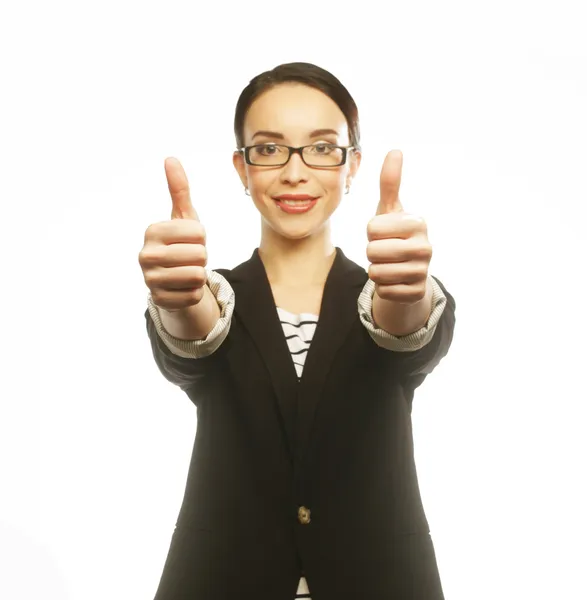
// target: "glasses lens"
[[323, 155], [317, 155], [268, 155]]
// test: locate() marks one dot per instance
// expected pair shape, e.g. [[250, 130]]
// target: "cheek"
[[261, 181], [338, 181], [332, 182]]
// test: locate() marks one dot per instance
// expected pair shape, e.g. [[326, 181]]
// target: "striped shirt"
[[299, 331]]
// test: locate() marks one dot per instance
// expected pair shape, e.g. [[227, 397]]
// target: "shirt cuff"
[[224, 295], [407, 343]]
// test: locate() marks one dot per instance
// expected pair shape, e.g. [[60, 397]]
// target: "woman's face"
[[291, 114]]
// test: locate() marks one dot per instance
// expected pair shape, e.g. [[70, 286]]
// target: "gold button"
[[303, 515]]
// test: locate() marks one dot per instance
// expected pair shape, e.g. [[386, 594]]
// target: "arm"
[[188, 337], [420, 351], [411, 339], [193, 364]]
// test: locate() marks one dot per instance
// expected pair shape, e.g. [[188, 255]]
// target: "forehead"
[[294, 110]]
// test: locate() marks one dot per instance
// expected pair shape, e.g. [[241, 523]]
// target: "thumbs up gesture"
[[174, 257], [398, 248]]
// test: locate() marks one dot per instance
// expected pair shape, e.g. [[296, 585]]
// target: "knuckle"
[[153, 231], [199, 255], [195, 295], [385, 292], [199, 276], [372, 228], [147, 256], [158, 297], [424, 252], [152, 280]]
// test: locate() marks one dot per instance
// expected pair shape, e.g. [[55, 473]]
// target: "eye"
[[268, 149], [322, 148]]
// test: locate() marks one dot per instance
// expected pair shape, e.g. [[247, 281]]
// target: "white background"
[[486, 101]]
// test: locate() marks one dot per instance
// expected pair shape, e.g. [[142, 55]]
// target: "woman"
[[302, 367]]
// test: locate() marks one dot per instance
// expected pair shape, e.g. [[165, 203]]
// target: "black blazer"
[[315, 476]]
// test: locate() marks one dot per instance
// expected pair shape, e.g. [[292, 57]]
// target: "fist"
[[398, 248], [173, 257]]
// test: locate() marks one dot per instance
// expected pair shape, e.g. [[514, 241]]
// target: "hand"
[[174, 254], [398, 248]]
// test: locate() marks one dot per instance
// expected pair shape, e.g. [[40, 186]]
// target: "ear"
[[238, 160], [354, 164]]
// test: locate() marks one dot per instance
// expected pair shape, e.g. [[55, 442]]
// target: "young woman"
[[302, 367]]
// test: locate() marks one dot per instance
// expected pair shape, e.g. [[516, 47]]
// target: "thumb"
[[179, 189], [391, 177]]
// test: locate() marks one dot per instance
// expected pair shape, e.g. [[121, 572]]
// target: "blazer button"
[[303, 515]]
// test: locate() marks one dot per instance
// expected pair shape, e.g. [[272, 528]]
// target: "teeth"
[[295, 202]]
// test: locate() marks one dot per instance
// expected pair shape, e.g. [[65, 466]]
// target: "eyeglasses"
[[314, 155]]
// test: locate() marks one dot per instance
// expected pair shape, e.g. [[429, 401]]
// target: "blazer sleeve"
[[187, 362], [419, 353]]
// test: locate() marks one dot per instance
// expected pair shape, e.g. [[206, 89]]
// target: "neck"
[[297, 263]]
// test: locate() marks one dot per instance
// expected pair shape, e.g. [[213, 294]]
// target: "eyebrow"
[[279, 136]]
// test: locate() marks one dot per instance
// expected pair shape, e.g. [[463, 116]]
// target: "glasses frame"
[[299, 150]]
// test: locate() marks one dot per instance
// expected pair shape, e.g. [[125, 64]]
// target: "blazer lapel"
[[256, 308], [338, 312]]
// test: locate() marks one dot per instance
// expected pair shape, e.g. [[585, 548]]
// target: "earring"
[[247, 191], [348, 189]]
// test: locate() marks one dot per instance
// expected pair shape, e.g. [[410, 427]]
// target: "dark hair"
[[299, 72]]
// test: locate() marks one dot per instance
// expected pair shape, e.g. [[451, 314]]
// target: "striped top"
[[299, 331]]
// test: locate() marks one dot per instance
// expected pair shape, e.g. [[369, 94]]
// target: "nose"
[[295, 171]]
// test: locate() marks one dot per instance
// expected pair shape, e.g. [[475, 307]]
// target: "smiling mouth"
[[290, 206], [295, 197], [296, 202]]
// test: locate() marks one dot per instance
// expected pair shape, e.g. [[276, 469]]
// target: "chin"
[[300, 232], [298, 236]]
